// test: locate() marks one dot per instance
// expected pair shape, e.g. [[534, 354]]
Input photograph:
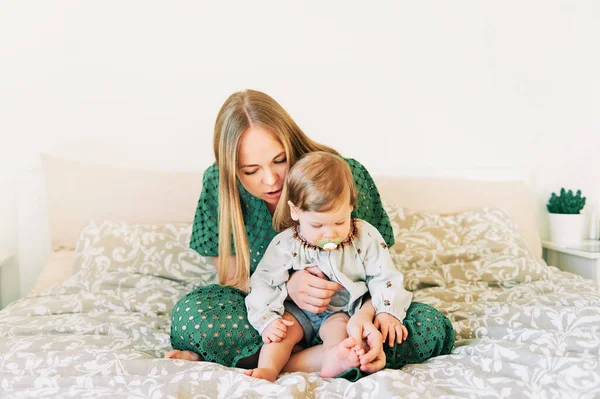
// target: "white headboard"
[[75, 198]]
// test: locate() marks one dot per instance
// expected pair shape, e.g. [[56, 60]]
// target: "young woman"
[[255, 144]]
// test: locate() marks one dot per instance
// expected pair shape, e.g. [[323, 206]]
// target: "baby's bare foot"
[[340, 358], [185, 355], [262, 373]]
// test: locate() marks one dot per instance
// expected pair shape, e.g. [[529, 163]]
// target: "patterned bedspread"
[[104, 332]]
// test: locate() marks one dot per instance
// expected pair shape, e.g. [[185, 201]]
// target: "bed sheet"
[[104, 332]]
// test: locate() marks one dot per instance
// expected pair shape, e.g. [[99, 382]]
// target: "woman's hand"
[[311, 290], [276, 330], [391, 328], [369, 338]]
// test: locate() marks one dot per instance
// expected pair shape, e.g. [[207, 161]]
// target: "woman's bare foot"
[[340, 358], [262, 373], [185, 355]]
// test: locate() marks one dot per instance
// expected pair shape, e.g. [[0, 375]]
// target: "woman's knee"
[[212, 322], [430, 334], [429, 330]]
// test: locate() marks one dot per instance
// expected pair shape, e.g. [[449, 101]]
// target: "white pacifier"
[[329, 245]]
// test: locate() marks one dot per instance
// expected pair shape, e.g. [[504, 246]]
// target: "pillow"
[[154, 250], [451, 196], [80, 192], [58, 268], [474, 246]]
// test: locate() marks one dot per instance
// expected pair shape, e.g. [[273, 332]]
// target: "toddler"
[[318, 199]]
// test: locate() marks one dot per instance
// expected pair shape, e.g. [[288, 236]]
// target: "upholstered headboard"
[[78, 192]]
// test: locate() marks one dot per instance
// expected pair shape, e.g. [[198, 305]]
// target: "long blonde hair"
[[239, 112], [315, 184]]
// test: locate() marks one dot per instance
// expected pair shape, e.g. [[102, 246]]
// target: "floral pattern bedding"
[[523, 329]]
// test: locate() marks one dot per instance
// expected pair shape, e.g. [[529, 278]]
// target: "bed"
[[97, 322]]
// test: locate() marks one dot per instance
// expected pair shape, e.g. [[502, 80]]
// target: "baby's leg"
[[275, 355], [307, 360], [339, 351]]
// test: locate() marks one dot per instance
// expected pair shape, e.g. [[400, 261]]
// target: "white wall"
[[9, 271], [399, 85]]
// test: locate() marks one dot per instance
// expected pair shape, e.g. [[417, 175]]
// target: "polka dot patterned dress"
[[212, 322]]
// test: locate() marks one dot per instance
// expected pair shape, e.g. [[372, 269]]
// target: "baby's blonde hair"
[[315, 183]]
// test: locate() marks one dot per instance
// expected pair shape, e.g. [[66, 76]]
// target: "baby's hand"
[[391, 328], [276, 330]]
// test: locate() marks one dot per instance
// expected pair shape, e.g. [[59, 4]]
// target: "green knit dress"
[[212, 321]]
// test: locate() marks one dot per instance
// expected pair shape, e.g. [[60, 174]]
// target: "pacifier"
[[329, 245]]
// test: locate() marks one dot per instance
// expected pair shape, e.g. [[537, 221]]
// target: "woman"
[[255, 143]]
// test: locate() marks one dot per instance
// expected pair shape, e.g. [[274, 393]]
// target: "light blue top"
[[361, 263]]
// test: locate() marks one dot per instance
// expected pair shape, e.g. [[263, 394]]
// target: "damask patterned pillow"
[[155, 250], [481, 246]]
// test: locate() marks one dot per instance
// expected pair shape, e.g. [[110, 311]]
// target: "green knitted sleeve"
[[369, 205], [205, 231]]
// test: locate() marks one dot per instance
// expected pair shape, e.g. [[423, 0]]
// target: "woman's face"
[[262, 165]]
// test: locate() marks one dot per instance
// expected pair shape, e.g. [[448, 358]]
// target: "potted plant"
[[565, 220]]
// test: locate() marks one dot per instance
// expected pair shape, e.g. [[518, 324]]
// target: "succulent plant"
[[566, 202]]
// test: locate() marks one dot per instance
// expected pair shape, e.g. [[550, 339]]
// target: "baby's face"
[[331, 225]]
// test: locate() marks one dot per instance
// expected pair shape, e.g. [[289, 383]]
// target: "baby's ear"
[[293, 211]]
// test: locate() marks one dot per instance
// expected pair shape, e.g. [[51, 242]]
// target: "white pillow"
[[58, 268]]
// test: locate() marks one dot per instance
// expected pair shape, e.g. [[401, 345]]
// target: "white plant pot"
[[566, 229]]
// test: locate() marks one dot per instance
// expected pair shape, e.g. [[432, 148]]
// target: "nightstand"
[[585, 263], [6, 258]]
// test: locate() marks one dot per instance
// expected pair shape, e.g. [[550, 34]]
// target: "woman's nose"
[[270, 177]]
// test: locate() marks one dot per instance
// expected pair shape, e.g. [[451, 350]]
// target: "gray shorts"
[[310, 322]]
